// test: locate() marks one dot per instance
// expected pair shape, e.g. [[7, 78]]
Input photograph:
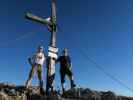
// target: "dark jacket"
[[65, 61]]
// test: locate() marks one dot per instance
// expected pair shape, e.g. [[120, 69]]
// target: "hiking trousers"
[[38, 69]]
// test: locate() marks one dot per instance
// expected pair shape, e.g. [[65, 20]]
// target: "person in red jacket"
[[66, 68]]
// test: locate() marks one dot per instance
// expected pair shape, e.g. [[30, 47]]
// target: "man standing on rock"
[[66, 68], [36, 62]]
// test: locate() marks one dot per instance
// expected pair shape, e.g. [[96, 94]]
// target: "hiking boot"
[[28, 84], [73, 85]]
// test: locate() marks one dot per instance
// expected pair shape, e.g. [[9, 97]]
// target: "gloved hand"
[[30, 61]]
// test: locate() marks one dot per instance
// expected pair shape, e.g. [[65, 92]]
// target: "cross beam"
[[35, 18]]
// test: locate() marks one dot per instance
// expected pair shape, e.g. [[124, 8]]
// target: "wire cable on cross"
[[23, 36]]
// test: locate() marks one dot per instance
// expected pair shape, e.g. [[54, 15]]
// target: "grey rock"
[[13, 92], [108, 96]]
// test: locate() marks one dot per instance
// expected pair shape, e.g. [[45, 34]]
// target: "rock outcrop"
[[13, 92]]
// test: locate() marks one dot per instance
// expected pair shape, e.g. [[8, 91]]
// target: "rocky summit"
[[13, 92]]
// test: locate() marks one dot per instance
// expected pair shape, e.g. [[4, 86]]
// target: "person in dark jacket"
[[65, 68]]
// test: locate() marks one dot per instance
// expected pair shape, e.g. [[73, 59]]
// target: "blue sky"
[[102, 28]]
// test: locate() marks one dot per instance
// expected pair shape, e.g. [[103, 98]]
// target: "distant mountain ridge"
[[13, 92]]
